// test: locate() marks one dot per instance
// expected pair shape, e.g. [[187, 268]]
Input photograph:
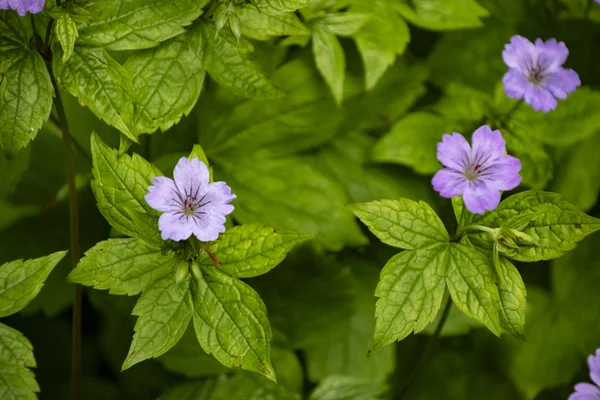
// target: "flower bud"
[[181, 272], [236, 26], [196, 271]]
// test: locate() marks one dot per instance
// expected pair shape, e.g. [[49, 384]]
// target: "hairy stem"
[[427, 352], [74, 247]]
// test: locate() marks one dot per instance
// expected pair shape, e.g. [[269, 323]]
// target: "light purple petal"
[[583, 396], [539, 98], [191, 177], [514, 83], [449, 182], [551, 54], [487, 145], [23, 6], [453, 151], [217, 198], [175, 226], [585, 387], [163, 195], [504, 173], [561, 82], [207, 226], [518, 53], [480, 196], [594, 364]]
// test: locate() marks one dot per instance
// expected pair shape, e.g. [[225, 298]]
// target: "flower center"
[[472, 173], [190, 207], [535, 76]]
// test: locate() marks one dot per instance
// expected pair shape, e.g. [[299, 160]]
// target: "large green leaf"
[[231, 322], [138, 24], [123, 266], [21, 281], [17, 382], [513, 296], [330, 60], [14, 28], [262, 26], [339, 387], [279, 6], [444, 14]]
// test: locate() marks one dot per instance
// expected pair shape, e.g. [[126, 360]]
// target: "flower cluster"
[[23, 6], [587, 391]]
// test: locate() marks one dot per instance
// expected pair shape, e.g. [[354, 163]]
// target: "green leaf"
[[279, 6], [410, 293], [198, 152], [167, 81], [412, 142], [194, 390], [231, 322], [556, 230], [402, 223], [246, 251], [15, 28], [164, 310], [537, 167], [138, 24], [513, 296], [330, 60], [67, 33], [17, 383], [258, 25], [123, 266], [339, 387], [25, 96], [573, 120], [444, 14], [251, 387], [15, 349], [290, 194], [472, 286], [120, 184], [21, 281], [344, 24], [464, 105], [101, 84], [146, 228], [11, 172], [229, 64], [383, 37]]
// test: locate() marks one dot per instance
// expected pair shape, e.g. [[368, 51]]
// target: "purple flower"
[[536, 74], [190, 204], [587, 391], [477, 173], [23, 6]]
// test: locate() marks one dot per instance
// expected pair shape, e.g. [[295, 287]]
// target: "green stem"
[[74, 247], [427, 352], [480, 228]]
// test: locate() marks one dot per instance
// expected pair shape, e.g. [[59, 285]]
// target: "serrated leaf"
[[573, 120], [67, 33], [276, 190], [330, 59], [246, 251], [146, 228], [412, 142], [120, 184], [21, 281], [402, 223], [17, 383], [231, 322], [444, 14], [262, 26], [513, 296], [232, 68], [339, 387], [15, 349], [167, 81], [123, 266], [279, 6], [410, 293], [101, 84], [164, 309], [344, 23], [558, 229], [138, 24], [15, 28], [472, 286], [25, 96]]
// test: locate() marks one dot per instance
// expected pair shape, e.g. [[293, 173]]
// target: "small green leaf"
[[198, 152], [472, 286], [167, 81], [138, 24], [17, 382], [101, 84], [232, 68], [120, 184], [164, 310], [246, 251], [444, 14], [513, 296], [402, 223], [25, 96], [123, 266], [344, 24], [15, 349], [339, 387], [231, 322], [66, 32], [21, 281], [330, 59], [261, 26], [410, 293], [412, 142], [276, 7], [558, 228]]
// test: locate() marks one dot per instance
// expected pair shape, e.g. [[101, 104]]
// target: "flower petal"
[[217, 197], [449, 182], [515, 83], [539, 98], [551, 54], [519, 53], [191, 177], [504, 173], [175, 226], [561, 82], [206, 226], [594, 364], [23, 6], [454, 151], [480, 196], [163, 195], [487, 146], [583, 396], [587, 388]]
